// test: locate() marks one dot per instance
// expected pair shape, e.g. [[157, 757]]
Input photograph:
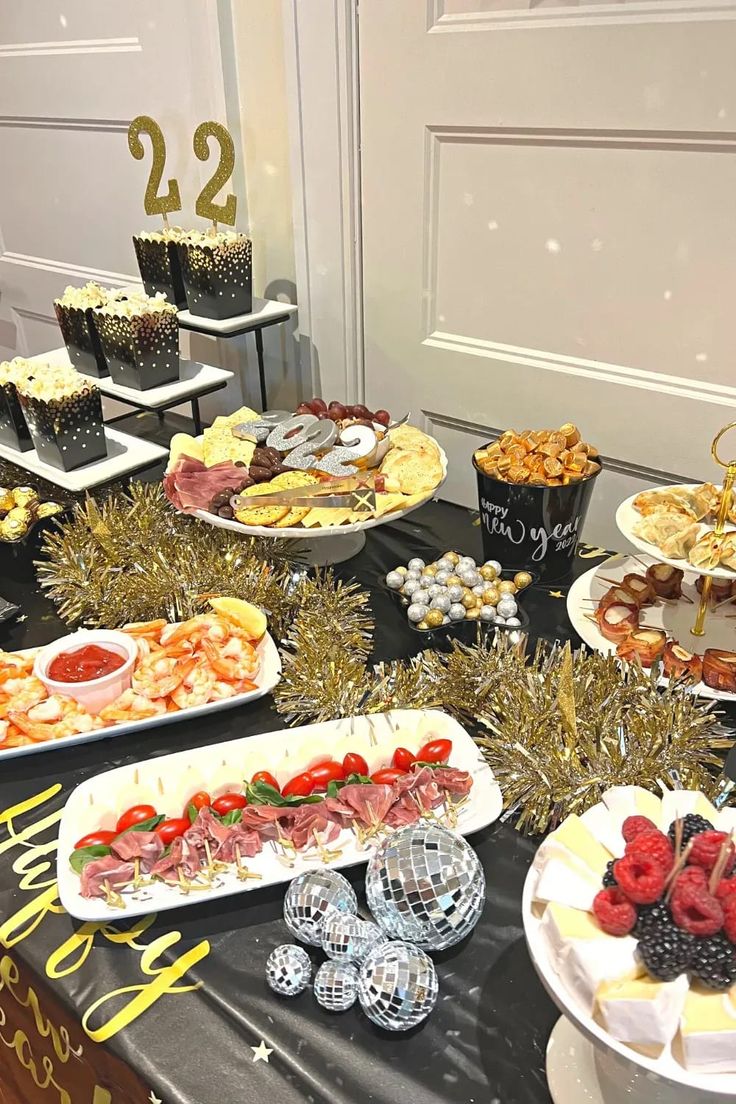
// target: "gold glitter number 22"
[[153, 203], [205, 207]]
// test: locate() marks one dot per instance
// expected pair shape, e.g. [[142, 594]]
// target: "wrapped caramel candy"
[[544, 457]]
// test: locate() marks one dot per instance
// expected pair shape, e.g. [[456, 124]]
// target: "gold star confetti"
[[556, 594], [261, 1052], [155, 1099]]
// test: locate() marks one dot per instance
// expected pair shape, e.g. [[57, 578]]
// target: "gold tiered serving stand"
[[698, 628]]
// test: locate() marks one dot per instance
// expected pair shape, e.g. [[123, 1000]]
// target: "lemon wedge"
[[246, 616]]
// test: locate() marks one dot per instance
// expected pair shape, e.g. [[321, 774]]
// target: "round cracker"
[[294, 516], [260, 515], [292, 479]]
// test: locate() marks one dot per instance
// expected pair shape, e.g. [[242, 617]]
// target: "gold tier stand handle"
[[698, 628]]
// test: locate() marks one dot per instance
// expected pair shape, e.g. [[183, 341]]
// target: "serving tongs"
[[356, 493]]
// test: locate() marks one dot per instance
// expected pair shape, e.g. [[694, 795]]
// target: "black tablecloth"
[[485, 1042]]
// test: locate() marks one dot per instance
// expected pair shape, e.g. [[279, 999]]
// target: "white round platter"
[[676, 618], [335, 543], [659, 1073], [627, 517]]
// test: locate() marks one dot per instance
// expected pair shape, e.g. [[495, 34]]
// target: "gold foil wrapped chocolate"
[[544, 457], [20, 509], [25, 496], [48, 509]]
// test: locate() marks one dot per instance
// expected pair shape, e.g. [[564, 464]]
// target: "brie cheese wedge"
[[584, 955], [642, 1011], [708, 1031]]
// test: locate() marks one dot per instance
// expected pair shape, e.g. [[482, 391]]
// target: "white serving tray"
[[627, 517], [676, 618], [125, 454], [268, 675], [169, 781], [665, 1066], [265, 312]]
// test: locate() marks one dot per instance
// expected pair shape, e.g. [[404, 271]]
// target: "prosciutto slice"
[[146, 846], [183, 854], [109, 869], [191, 486], [246, 840], [370, 802], [206, 827], [453, 781], [308, 821]]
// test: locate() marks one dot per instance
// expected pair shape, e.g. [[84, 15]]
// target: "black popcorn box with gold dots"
[[67, 431], [13, 429], [82, 341], [158, 261], [218, 275], [142, 349]]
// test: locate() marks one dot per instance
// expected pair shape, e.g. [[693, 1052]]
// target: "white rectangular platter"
[[169, 781], [268, 675], [125, 454]]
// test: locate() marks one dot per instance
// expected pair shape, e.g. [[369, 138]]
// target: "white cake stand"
[[324, 545], [585, 1065]]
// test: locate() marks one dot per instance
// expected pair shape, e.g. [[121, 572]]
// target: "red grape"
[[304, 408], [324, 415], [338, 411], [318, 405], [382, 416], [360, 411]]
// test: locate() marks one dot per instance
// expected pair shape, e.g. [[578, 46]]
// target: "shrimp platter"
[[212, 661]]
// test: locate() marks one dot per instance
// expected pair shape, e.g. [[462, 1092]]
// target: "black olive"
[[226, 512]]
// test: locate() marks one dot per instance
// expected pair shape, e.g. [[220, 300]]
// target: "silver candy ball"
[[479, 589], [465, 561], [427, 580], [441, 602], [417, 611], [397, 986], [310, 899], [394, 580], [425, 884], [442, 576], [487, 613], [421, 595], [444, 565], [513, 621], [436, 589], [288, 970], [446, 620], [348, 938], [497, 620], [472, 578], [416, 574], [507, 607], [336, 986], [455, 593], [494, 563], [416, 564], [410, 586], [457, 611], [515, 636]]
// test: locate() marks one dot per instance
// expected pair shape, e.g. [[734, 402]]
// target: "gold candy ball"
[[473, 614], [434, 618], [488, 573], [491, 596], [452, 557], [468, 599], [402, 570], [422, 625], [430, 569], [506, 586], [522, 579], [454, 580]]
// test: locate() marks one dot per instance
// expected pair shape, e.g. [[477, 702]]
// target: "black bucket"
[[533, 528], [13, 428], [142, 351], [218, 282], [160, 269], [67, 433], [82, 341]]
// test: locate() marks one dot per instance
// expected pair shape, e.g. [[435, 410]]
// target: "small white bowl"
[[95, 694]]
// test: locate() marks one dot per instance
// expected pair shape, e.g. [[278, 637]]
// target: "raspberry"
[[726, 888], [706, 848], [695, 911], [640, 877], [729, 918], [634, 825], [691, 875], [656, 845], [614, 912]]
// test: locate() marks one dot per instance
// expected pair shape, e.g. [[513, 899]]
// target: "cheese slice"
[[682, 803], [574, 841], [583, 954], [606, 828], [726, 820], [642, 1011], [708, 1031], [568, 883], [626, 801]]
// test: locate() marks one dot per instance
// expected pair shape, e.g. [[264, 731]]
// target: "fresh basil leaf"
[[354, 779], [192, 813], [233, 817], [333, 788], [79, 858], [144, 826]]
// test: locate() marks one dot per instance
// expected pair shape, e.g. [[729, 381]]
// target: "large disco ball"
[[311, 897], [336, 986], [288, 970], [347, 938], [397, 986], [426, 884]]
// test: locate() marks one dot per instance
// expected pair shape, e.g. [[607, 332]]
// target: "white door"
[[549, 226], [72, 76]]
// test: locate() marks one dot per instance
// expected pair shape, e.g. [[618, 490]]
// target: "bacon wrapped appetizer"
[[719, 670], [617, 621], [677, 662], [640, 587], [617, 596], [665, 580], [720, 591], [644, 645]]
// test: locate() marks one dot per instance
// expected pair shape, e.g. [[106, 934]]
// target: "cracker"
[[292, 479], [219, 444], [294, 516], [260, 515]]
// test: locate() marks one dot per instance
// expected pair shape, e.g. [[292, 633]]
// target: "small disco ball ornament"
[[425, 884], [309, 900], [288, 970], [397, 986], [336, 986], [347, 938]]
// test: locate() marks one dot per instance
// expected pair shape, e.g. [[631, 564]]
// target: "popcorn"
[[54, 382], [169, 233], [136, 304], [91, 295], [210, 238], [16, 371]]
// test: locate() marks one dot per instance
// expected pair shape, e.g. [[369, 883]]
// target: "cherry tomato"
[[136, 814], [201, 800], [267, 777], [301, 785], [355, 764], [228, 802], [436, 751], [386, 776], [168, 830], [95, 839], [402, 759], [324, 773]]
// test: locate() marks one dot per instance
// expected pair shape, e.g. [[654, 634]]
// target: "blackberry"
[[692, 825], [714, 962], [651, 916], [608, 878], [664, 948]]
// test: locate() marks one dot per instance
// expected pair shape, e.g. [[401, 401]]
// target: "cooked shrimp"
[[160, 674], [236, 661], [21, 694], [39, 732], [208, 625], [195, 689], [131, 706], [146, 628]]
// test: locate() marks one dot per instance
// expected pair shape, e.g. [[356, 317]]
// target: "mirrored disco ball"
[[336, 986], [311, 897], [426, 884], [347, 938], [288, 970], [397, 986]]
